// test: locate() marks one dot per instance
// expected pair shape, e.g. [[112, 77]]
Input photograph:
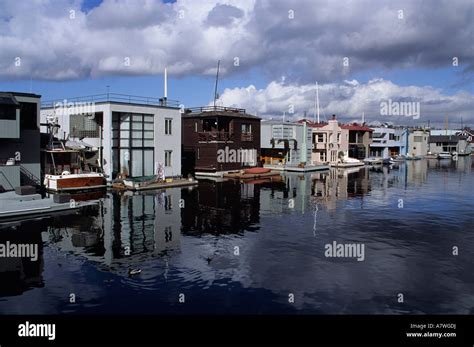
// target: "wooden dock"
[[140, 186]]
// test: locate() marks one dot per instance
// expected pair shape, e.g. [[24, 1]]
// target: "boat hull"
[[79, 182]]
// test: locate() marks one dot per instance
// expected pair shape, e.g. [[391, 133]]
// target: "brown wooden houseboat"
[[219, 139]]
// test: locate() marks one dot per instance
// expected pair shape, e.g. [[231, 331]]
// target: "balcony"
[[214, 136], [246, 137]]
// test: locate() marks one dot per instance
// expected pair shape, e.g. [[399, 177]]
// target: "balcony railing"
[[214, 109], [209, 136], [114, 97], [246, 137]]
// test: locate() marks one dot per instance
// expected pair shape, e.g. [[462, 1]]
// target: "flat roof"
[[444, 138], [217, 111], [8, 99], [29, 95], [117, 99]]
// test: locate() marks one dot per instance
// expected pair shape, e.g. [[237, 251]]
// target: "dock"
[[347, 165], [144, 185], [295, 168], [251, 176], [15, 207]]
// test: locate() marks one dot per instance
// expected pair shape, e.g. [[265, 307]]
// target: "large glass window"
[[133, 143]]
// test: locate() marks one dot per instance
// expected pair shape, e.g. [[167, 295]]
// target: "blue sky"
[[283, 48]]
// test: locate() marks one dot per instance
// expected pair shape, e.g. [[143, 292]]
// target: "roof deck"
[[116, 99], [210, 111]]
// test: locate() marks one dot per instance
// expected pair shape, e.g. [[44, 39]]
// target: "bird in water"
[[132, 272]]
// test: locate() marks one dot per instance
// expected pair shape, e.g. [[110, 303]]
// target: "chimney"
[[333, 117], [165, 96]]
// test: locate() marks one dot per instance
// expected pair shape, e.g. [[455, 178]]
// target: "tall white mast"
[[166, 84], [317, 100], [363, 117]]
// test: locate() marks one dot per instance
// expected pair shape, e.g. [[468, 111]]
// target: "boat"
[[346, 161], [398, 159], [412, 157], [373, 161], [70, 182], [72, 167], [430, 155], [257, 170], [444, 155]]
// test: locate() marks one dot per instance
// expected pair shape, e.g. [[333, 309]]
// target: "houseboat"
[[287, 146], [218, 140]]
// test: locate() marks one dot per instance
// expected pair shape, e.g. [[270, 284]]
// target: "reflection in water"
[[185, 240]]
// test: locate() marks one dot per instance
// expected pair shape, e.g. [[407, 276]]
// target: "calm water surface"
[[244, 247]]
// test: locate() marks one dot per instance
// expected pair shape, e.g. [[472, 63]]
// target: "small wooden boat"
[[70, 167], [80, 181], [257, 170], [444, 155]]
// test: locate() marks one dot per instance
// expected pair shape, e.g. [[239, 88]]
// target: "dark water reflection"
[[243, 248]]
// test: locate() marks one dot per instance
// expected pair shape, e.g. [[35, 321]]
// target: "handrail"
[[117, 97], [30, 175], [214, 109]]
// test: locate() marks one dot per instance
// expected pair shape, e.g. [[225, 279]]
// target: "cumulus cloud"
[[349, 100], [305, 40]]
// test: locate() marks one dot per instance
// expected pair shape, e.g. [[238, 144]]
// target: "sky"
[[361, 53]]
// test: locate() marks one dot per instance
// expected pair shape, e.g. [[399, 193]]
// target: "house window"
[[246, 128], [8, 112], [133, 143], [83, 126], [168, 126], [418, 139], [168, 158], [320, 138]]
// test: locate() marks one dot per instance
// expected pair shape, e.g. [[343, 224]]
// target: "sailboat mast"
[[317, 100]]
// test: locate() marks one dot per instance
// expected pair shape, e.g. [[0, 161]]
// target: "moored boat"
[[373, 161], [444, 155], [257, 170]]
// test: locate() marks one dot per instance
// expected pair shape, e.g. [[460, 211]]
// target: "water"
[[247, 248]]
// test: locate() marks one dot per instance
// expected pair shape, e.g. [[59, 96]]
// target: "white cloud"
[[309, 47], [349, 100]]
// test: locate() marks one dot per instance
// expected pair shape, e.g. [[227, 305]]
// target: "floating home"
[[19, 140], [218, 140], [359, 140], [285, 143], [418, 145], [450, 144], [328, 139], [135, 135], [385, 142]]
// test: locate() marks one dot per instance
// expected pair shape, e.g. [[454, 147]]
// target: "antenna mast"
[[217, 80]]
